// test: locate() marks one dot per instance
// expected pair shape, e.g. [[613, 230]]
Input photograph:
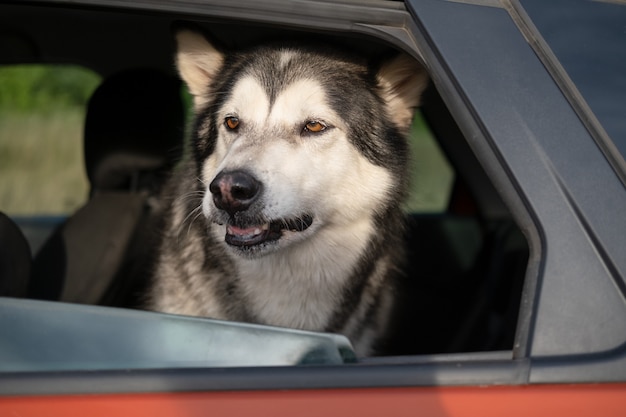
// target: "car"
[[518, 285]]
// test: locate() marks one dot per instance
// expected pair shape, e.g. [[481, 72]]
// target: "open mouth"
[[255, 235]]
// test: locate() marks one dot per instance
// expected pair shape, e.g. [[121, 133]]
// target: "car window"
[[588, 38], [42, 110], [468, 263]]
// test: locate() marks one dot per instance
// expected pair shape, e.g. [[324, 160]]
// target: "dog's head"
[[292, 140]]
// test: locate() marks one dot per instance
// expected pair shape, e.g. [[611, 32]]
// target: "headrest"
[[134, 124]]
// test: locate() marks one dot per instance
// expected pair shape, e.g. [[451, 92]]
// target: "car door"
[[521, 120]]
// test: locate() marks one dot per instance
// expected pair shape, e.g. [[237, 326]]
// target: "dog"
[[286, 209]]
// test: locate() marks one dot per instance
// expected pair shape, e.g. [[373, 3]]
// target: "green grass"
[[41, 162], [431, 174], [41, 138], [44, 88]]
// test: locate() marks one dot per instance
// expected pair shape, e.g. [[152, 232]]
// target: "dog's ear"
[[402, 81], [198, 62]]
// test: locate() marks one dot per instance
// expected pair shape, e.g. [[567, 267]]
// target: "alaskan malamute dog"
[[286, 211]]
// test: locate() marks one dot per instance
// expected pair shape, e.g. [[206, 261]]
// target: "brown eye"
[[314, 127], [232, 122]]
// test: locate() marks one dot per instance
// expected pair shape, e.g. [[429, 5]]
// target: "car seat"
[[133, 137], [15, 259]]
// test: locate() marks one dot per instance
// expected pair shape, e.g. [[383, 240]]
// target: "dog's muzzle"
[[235, 192]]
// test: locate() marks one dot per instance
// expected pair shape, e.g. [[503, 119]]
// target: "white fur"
[[285, 57], [275, 281]]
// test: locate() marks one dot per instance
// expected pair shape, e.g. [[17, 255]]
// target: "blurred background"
[[42, 110]]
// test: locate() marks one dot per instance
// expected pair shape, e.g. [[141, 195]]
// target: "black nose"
[[234, 191]]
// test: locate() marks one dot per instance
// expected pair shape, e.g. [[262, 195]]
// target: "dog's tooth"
[[257, 231]]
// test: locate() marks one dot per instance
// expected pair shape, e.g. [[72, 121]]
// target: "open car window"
[[468, 254]]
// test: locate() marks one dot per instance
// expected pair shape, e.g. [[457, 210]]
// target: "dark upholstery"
[[15, 259], [134, 124], [133, 137]]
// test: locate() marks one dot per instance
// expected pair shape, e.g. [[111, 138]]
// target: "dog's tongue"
[[248, 236], [249, 231], [254, 235]]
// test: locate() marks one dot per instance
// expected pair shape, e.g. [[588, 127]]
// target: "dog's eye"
[[231, 122], [314, 126]]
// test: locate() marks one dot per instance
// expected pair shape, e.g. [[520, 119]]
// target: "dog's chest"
[[284, 296], [304, 287]]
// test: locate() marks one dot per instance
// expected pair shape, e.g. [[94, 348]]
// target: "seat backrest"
[[15, 259], [133, 130], [133, 137]]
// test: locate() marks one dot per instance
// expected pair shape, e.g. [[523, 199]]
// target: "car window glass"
[[589, 39]]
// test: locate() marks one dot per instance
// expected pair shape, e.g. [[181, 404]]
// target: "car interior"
[[468, 259]]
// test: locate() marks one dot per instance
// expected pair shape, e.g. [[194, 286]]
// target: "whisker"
[[193, 198], [198, 213]]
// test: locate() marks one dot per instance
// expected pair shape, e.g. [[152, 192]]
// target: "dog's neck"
[[302, 285]]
